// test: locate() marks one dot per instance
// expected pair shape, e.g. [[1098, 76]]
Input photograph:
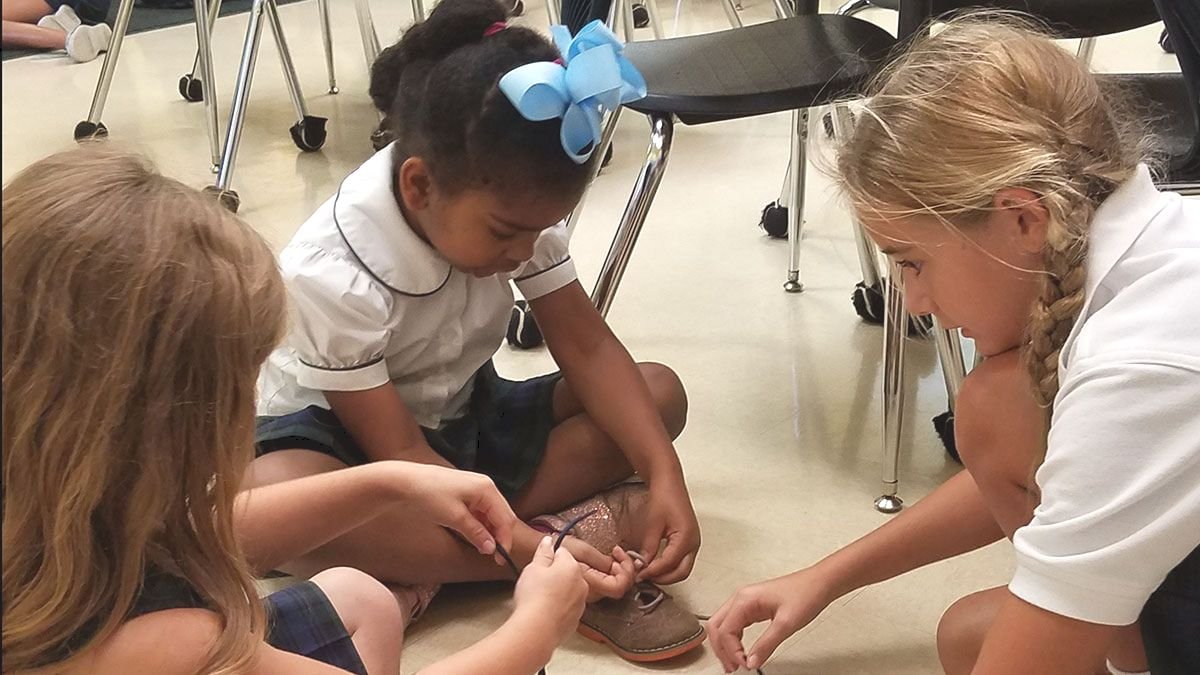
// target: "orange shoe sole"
[[644, 657]]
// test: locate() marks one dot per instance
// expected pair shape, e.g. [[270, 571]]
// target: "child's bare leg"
[[1000, 433], [20, 34], [26, 11], [582, 460], [396, 548], [372, 615]]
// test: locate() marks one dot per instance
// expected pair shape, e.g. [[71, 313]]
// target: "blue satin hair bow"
[[595, 78]]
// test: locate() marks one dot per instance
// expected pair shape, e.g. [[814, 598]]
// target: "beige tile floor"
[[782, 451]]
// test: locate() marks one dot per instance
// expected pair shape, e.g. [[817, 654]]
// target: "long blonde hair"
[[136, 315], [987, 103]]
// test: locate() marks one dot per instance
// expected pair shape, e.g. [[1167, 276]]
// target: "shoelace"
[[558, 540]]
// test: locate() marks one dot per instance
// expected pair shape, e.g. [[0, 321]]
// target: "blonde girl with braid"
[[995, 172]]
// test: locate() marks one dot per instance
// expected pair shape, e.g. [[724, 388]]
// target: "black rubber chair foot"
[[86, 131], [774, 221], [869, 303], [944, 426], [191, 88], [523, 331], [226, 198], [641, 16], [309, 133]]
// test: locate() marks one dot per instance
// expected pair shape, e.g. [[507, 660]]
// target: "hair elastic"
[[494, 28]]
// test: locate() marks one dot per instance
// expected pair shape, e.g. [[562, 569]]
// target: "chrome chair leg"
[[854, 7], [418, 7], [655, 19], [895, 323], [553, 12], [731, 13], [950, 355], [327, 39], [627, 21], [1087, 47], [610, 127], [784, 9], [208, 81], [366, 28], [214, 10], [661, 134], [241, 96], [868, 257], [795, 213], [285, 60], [92, 126]]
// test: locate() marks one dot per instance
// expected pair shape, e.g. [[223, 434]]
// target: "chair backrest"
[[1068, 18], [1182, 20]]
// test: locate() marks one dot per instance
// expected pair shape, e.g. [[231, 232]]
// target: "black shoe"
[[517, 8], [1164, 41], [641, 15]]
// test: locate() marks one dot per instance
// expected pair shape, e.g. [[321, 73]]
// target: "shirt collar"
[[369, 220], [1118, 222]]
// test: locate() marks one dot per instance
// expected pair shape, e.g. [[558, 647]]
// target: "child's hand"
[[551, 591], [789, 603], [463, 501], [670, 517], [606, 577]]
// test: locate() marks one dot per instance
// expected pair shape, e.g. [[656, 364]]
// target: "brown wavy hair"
[[991, 102], [136, 316]]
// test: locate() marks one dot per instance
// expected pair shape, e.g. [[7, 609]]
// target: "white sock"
[[87, 42], [1117, 671], [65, 20]]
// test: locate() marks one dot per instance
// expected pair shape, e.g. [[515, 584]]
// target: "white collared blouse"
[[371, 303]]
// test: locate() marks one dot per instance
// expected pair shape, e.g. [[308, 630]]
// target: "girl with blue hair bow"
[[400, 289]]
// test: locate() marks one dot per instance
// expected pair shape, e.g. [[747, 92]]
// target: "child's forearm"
[[520, 647], [280, 522], [954, 519], [382, 425]]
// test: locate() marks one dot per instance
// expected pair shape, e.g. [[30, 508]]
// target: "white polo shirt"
[[1120, 485], [371, 303]]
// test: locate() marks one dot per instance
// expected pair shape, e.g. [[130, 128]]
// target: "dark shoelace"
[[558, 540]]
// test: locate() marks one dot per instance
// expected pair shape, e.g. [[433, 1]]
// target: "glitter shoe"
[[645, 626]]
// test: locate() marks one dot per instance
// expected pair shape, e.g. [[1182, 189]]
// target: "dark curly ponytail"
[[437, 88]]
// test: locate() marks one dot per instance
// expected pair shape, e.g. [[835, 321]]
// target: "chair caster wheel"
[[641, 16], [309, 133], [1164, 41], [889, 504], [191, 88], [868, 304], [793, 286], [523, 331], [226, 198], [774, 221], [89, 131], [944, 426], [334, 91]]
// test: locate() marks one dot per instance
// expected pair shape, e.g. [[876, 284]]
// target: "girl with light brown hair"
[[996, 174], [136, 316]]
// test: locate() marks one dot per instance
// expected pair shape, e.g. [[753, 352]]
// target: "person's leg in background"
[[82, 43]]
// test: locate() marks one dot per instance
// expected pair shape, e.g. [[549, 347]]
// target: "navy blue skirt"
[[1170, 621]]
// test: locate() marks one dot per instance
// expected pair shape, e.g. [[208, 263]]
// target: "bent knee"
[[361, 600], [669, 395]]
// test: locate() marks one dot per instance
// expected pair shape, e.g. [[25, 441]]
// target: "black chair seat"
[[771, 67]]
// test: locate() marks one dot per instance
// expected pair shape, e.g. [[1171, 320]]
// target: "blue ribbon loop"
[[596, 78]]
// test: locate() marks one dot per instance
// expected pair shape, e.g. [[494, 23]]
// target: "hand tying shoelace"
[[558, 540]]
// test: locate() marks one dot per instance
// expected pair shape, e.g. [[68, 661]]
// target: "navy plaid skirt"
[[1170, 621], [301, 620], [503, 434]]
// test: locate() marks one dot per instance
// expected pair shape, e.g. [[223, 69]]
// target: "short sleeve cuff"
[[544, 282], [356, 378], [1089, 603]]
